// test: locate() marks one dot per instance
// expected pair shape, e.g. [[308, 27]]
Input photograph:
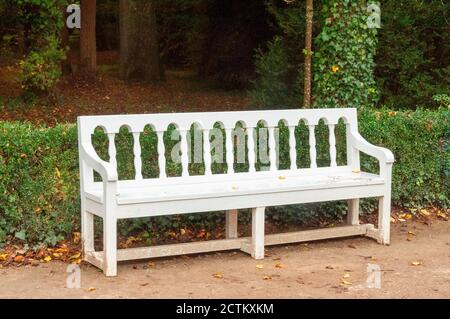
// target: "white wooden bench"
[[113, 199]]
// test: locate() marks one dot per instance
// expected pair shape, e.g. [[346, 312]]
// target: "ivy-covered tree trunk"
[[88, 44], [139, 45], [344, 61], [308, 53]]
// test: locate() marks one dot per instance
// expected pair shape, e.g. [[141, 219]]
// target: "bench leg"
[[384, 219], [87, 232], [353, 212], [231, 224], [258, 233], [110, 246]]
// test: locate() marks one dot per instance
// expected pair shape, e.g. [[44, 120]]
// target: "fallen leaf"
[[356, 171], [408, 239], [58, 173], [345, 282], [329, 267], [56, 255], [346, 276], [182, 231], [151, 264], [75, 256], [401, 220], [235, 188], [19, 259], [76, 237], [351, 246], [145, 284], [411, 233], [201, 233], [416, 263], [442, 215], [267, 278], [424, 212], [47, 259], [3, 257], [405, 216], [217, 275], [279, 265], [92, 289], [281, 178], [259, 266], [393, 220]]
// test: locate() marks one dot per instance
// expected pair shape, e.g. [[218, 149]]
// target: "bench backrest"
[[111, 124]]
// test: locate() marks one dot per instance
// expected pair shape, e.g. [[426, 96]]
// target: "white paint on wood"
[[137, 155], [229, 150], [231, 223], [161, 155], [272, 149], [315, 234], [258, 218], [184, 154], [292, 147], [251, 149], [312, 146], [332, 143], [353, 211], [112, 150], [112, 199], [207, 152]]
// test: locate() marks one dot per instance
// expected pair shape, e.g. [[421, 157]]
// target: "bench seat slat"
[[270, 184]]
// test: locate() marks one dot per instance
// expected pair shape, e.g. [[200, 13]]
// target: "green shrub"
[[38, 182], [42, 21], [41, 69], [39, 192], [344, 58]]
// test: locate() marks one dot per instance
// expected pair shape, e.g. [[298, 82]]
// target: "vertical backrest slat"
[[135, 123], [251, 149], [137, 155], [161, 155], [332, 142], [230, 150], [207, 152], [184, 154], [112, 150], [292, 147], [272, 149], [312, 146]]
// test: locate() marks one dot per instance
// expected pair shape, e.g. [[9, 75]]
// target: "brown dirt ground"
[[313, 270], [182, 91]]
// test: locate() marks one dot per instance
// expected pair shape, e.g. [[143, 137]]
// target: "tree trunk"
[[308, 53], [139, 43], [88, 45]]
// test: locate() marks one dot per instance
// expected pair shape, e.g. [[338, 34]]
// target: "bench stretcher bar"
[[244, 243]]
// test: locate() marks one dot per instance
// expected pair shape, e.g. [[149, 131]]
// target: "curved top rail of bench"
[[206, 120]]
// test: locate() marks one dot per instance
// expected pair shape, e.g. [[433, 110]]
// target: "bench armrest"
[[382, 154], [105, 169]]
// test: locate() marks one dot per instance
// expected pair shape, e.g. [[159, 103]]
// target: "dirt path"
[[333, 269]]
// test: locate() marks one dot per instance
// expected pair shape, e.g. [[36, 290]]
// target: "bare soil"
[[414, 268]]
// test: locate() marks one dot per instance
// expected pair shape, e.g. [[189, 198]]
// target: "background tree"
[[88, 43], [308, 52], [139, 42]]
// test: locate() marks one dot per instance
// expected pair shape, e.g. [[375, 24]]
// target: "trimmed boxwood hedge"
[[39, 188]]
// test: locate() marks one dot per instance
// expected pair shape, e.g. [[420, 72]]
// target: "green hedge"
[[39, 191]]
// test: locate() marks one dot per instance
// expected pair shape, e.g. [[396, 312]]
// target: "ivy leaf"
[[20, 235]]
